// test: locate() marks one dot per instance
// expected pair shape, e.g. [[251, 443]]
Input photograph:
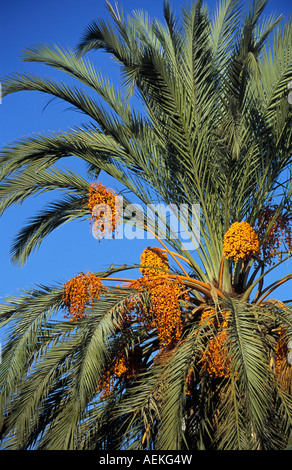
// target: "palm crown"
[[193, 353]]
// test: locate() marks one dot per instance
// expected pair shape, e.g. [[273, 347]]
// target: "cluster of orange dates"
[[168, 295]]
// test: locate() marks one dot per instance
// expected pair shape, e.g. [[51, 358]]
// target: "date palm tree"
[[193, 354]]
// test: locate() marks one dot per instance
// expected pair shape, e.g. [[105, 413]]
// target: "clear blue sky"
[[71, 248]]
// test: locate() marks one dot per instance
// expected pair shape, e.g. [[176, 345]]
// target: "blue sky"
[[71, 248]]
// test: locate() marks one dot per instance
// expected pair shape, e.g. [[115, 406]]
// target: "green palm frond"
[[51, 354], [54, 215], [83, 71], [16, 189], [226, 20]]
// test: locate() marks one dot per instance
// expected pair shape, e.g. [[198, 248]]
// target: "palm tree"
[[193, 354]]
